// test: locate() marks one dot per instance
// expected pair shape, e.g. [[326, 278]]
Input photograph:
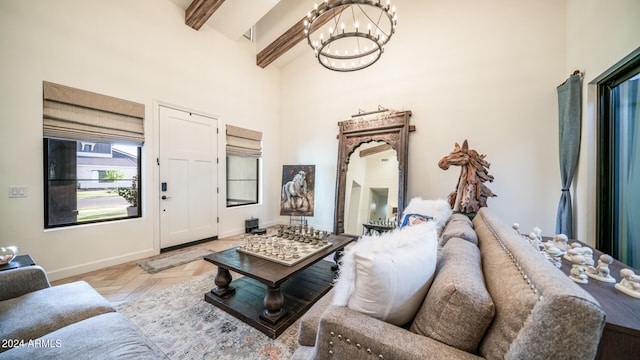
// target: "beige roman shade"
[[243, 142], [74, 114]]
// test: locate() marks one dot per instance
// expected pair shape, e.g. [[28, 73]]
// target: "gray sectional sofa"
[[70, 321], [493, 296]]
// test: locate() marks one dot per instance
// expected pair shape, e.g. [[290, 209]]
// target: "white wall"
[[485, 71], [599, 34], [140, 51]]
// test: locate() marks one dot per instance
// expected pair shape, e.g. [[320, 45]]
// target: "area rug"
[[184, 326], [160, 263]]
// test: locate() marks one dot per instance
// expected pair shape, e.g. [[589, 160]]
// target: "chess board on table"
[[305, 249]]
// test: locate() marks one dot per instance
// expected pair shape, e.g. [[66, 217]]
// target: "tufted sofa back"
[[536, 306]]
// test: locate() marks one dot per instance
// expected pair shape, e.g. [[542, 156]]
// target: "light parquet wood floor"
[[128, 281]]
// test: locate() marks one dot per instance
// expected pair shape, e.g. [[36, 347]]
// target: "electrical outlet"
[[17, 191]]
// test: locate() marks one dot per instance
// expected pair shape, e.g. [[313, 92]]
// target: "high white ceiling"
[[270, 19]]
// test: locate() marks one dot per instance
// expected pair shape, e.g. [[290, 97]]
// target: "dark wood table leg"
[[223, 279], [273, 303]]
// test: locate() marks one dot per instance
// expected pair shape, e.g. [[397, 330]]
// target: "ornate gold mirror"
[[383, 138]]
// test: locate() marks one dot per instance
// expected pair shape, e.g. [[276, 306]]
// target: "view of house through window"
[[90, 182]]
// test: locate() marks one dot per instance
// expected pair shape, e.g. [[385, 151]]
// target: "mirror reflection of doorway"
[[352, 212], [378, 204], [372, 169]]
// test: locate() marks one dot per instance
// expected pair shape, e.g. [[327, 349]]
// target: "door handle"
[[165, 197]]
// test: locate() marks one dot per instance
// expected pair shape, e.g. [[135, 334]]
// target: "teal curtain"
[[569, 107]]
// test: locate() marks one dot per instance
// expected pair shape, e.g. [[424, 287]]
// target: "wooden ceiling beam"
[[374, 150], [200, 11], [288, 40]]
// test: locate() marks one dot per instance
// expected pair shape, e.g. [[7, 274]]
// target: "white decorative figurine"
[[577, 270], [553, 254], [588, 256], [561, 241], [630, 283], [602, 272]]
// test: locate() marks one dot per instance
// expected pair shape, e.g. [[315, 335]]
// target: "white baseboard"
[[99, 264]]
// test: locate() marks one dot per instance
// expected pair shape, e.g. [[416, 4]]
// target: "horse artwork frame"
[[471, 193], [297, 193]]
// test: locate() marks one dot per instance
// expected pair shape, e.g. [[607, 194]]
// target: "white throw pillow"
[[388, 276], [439, 210]]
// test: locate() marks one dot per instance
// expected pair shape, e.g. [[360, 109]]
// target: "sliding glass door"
[[619, 165]]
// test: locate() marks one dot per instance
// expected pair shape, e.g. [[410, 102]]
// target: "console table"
[[621, 335]]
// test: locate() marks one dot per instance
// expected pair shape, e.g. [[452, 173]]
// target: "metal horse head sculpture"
[[470, 194]]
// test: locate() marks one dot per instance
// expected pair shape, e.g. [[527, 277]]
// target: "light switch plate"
[[17, 191]]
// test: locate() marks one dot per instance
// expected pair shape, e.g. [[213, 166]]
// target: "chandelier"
[[349, 35]]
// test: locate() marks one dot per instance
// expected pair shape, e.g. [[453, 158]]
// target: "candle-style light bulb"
[[330, 30], [342, 27], [356, 25]]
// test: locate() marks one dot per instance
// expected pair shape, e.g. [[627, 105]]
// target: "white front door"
[[188, 177]]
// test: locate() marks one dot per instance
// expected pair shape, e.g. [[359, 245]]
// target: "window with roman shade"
[[244, 150], [92, 156]]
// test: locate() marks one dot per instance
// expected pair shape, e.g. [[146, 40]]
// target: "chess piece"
[[601, 272], [630, 283]]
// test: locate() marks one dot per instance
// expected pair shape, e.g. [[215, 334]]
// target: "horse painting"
[[471, 194], [295, 192]]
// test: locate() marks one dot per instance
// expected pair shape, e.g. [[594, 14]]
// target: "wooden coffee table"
[[271, 296]]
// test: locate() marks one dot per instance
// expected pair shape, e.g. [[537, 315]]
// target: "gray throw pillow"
[[458, 308]]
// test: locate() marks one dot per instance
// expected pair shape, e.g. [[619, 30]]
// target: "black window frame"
[[606, 231], [230, 203], [46, 180]]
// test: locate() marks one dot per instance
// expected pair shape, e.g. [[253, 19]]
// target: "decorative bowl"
[[7, 254]]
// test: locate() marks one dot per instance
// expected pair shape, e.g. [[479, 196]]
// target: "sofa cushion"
[[387, 276], [458, 308], [106, 336], [40, 312], [459, 226]]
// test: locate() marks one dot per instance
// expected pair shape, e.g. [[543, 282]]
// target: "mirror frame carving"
[[391, 127]]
